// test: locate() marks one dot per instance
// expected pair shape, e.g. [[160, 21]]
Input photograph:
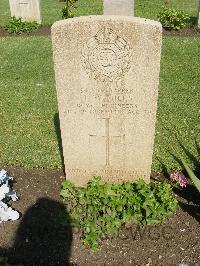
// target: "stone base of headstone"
[[28, 10]]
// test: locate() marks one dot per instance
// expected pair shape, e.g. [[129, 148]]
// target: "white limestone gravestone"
[[118, 7], [107, 75], [28, 10]]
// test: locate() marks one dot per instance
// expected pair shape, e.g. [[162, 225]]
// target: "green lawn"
[[178, 106], [151, 8], [51, 9], [28, 102]]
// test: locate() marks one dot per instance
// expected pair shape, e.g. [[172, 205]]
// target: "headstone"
[[107, 75], [28, 10], [118, 7]]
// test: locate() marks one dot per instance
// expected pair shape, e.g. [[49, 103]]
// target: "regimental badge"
[[106, 56]]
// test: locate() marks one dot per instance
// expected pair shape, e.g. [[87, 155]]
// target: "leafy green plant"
[[173, 19], [67, 10], [194, 178], [100, 210], [16, 25]]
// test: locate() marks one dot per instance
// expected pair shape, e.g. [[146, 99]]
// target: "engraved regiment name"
[[115, 174]]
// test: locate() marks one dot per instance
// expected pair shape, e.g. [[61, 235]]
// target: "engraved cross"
[[108, 139]]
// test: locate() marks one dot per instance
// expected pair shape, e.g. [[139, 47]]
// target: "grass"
[[51, 9], [151, 8], [178, 105], [28, 102]]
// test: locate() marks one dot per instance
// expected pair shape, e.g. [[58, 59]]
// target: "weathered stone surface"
[[28, 10], [119, 7], [107, 75]]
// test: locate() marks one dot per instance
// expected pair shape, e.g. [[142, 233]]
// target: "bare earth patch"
[[38, 239], [46, 31]]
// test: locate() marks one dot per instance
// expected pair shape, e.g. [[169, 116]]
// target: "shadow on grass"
[[191, 157], [59, 138], [190, 193], [40, 238]]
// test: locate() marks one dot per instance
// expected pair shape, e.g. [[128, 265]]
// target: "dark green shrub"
[[99, 210], [16, 25], [67, 10], [173, 19]]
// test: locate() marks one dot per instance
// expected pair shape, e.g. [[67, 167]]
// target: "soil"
[[37, 238], [46, 31], [187, 32], [41, 31]]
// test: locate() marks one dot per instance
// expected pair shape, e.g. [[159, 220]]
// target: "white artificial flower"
[[4, 189], [7, 213], [12, 195], [4, 177]]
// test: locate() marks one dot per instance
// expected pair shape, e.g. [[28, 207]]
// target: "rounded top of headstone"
[[136, 20]]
